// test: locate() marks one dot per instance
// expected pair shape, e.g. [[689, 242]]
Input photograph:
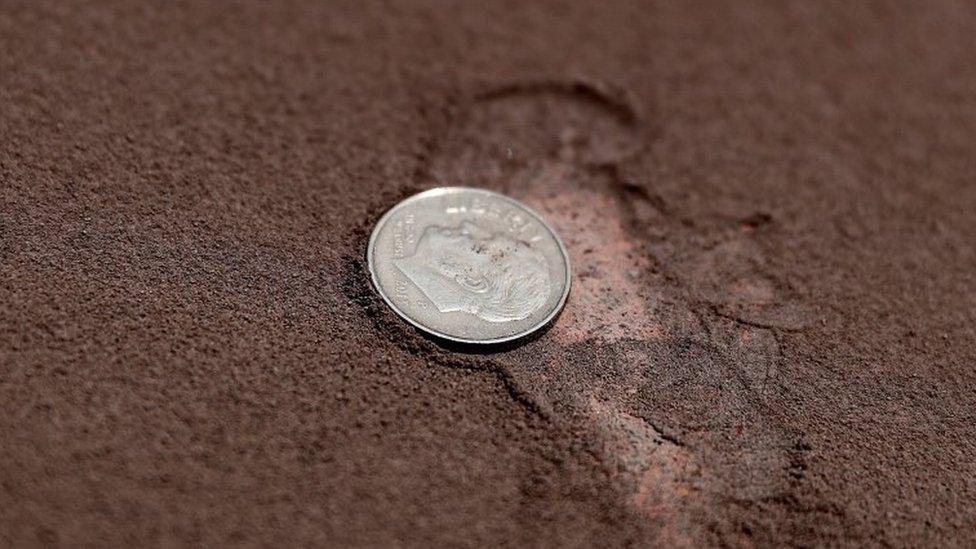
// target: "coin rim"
[[454, 190]]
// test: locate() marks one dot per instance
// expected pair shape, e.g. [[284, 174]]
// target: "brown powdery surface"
[[771, 213]]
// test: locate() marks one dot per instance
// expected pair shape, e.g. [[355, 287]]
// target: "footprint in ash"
[[660, 372]]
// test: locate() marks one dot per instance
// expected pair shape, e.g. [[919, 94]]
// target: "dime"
[[469, 265]]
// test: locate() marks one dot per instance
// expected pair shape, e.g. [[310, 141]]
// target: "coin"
[[469, 265]]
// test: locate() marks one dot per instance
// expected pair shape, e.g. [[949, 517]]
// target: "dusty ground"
[[771, 211]]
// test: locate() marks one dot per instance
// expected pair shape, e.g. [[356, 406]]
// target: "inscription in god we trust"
[[404, 238]]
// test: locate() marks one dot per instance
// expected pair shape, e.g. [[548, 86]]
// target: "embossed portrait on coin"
[[489, 275]]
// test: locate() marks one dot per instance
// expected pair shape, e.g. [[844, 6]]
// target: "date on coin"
[[469, 265]]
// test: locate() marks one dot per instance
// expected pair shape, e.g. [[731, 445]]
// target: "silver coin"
[[469, 265]]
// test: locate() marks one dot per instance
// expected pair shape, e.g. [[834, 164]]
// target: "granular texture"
[[769, 208]]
